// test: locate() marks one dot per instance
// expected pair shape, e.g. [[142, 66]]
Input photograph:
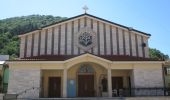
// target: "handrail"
[[15, 96], [25, 91]]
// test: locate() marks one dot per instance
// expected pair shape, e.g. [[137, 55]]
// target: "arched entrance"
[[84, 79], [86, 82]]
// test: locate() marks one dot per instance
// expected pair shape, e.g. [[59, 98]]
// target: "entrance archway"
[[82, 72], [86, 81]]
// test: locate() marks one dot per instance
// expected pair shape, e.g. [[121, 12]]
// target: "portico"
[[81, 66], [68, 76]]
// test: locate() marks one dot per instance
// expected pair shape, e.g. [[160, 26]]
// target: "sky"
[[150, 16]]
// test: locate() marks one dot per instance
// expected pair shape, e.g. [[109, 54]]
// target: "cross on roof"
[[85, 8]]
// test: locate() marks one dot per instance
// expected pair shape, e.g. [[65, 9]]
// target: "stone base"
[[22, 81], [104, 94], [1, 96]]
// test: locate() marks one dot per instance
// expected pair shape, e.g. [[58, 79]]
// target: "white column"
[[65, 83], [109, 78]]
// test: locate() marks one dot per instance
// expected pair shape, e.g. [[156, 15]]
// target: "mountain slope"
[[11, 27]]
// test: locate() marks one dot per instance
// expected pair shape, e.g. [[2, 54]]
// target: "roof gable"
[[91, 16]]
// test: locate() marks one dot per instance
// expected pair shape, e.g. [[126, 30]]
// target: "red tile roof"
[[66, 57]]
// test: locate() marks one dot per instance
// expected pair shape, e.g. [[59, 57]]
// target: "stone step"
[[88, 98]]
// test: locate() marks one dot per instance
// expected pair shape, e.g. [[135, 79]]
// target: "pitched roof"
[[93, 17]]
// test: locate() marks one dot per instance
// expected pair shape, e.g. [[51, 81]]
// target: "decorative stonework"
[[86, 38]]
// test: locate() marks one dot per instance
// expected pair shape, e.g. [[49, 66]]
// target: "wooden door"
[[54, 87], [117, 82], [117, 86], [86, 85]]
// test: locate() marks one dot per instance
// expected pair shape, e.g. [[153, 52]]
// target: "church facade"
[[83, 56]]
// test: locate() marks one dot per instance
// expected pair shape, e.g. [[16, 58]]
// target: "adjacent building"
[[167, 73], [4, 74]]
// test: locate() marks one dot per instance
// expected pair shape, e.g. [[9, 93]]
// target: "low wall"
[[21, 80], [148, 98], [1, 96]]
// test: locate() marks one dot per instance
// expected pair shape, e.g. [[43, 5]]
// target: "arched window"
[[86, 68]]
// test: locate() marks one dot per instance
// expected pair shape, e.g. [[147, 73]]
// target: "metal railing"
[[25, 91], [136, 92], [19, 95], [1, 90], [122, 92]]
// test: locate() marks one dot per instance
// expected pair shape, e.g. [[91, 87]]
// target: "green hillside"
[[11, 27]]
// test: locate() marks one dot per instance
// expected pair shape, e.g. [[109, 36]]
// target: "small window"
[[168, 70]]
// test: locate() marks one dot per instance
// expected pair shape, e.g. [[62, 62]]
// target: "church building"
[[83, 56]]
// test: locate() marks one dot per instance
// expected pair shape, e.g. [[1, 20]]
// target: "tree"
[[11, 27], [156, 54]]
